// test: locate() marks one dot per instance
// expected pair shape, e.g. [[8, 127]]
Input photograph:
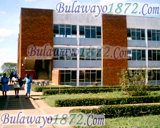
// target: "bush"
[[122, 111], [105, 101], [77, 90], [134, 81], [40, 88]]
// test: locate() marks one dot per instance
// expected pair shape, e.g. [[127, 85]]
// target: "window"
[[68, 76], [89, 32], [90, 54], [154, 55], [65, 53], [135, 34], [90, 76], [69, 31], [153, 35], [152, 75], [136, 54]]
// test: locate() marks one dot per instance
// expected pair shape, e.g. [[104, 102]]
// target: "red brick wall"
[[36, 28], [114, 33]]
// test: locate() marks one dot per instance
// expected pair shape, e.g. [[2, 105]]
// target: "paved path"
[[28, 107]]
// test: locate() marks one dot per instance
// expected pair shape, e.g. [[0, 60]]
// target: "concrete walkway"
[[28, 107], [33, 106]]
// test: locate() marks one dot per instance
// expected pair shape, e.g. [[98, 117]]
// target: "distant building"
[[67, 48]]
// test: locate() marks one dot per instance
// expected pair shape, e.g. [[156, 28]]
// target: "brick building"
[[80, 49]]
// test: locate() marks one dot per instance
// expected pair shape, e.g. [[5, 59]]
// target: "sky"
[[10, 19]]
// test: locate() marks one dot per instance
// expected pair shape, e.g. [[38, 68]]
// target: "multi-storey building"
[[81, 45]]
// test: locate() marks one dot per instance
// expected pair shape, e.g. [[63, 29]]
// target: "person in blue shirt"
[[4, 86], [28, 81]]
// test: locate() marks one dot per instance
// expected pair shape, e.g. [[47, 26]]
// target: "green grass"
[[151, 121], [50, 100]]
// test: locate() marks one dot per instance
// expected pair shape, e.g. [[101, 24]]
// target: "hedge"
[[77, 90], [122, 111], [40, 88], [105, 101]]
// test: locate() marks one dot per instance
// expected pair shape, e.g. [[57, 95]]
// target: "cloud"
[[5, 32], [2, 12], [1, 40], [3, 51]]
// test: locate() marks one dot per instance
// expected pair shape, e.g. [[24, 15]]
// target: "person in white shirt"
[[16, 85]]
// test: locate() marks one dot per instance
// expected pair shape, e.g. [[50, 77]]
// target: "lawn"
[[151, 121], [50, 100]]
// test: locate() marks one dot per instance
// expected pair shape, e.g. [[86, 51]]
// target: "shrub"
[[133, 82], [122, 111], [77, 90], [105, 101]]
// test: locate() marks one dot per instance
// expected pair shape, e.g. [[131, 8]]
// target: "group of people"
[[17, 84]]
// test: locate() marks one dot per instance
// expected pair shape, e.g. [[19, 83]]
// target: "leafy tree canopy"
[[8, 68]]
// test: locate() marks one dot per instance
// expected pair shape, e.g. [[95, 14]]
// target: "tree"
[[8, 68], [133, 83]]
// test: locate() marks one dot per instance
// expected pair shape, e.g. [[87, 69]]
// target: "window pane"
[[138, 35], [68, 53], [68, 32], [149, 54], [158, 55], [129, 55], [62, 53], [62, 77], [81, 76], [93, 77], [158, 36], [133, 34], [62, 32], [158, 74], [74, 30], [153, 36], [98, 76], [93, 33], [128, 32], [81, 30], [87, 32], [74, 54], [142, 33], [98, 54], [134, 55], [68, 77], [154, 55], [98, 29], [143, 55], [154, 75], [87, 53], [87, 76], [55, 53], [74, 76], [139, 56], [82, 54], [56, 29], [93, 53], [149, 34]]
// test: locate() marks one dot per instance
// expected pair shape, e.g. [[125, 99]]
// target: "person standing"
[[28, 81], [10, 77], [16, 85], [4, 86]]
